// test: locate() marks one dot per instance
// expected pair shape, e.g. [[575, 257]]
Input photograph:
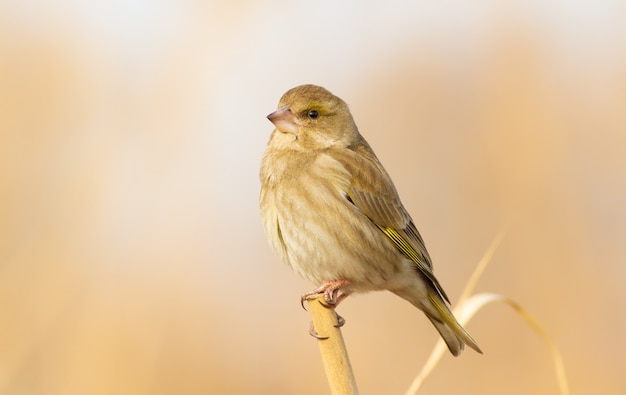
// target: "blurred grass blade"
[[476, 302], [429, 366], [482, 265], [440, 348], [465, 311]]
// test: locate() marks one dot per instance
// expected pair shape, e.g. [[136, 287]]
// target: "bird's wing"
[[372, 191]]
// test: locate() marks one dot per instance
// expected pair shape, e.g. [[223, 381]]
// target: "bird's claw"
[[340, 321], [331, 290], [333, 295], [314, 333]]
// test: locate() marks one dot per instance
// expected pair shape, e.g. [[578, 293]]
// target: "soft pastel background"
[[132, 259]]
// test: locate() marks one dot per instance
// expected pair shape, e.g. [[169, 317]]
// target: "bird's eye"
[[313, 114]]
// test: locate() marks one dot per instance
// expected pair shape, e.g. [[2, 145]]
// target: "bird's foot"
[[331, 290], [340, 322]]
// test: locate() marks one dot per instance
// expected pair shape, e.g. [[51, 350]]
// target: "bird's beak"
[[284, 120]]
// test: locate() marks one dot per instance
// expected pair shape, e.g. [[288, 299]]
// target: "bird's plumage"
[[332, 212]]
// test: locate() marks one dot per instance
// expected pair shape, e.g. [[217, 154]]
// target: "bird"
[[331, 211]]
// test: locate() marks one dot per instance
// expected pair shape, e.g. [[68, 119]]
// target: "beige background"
[[132, 259]]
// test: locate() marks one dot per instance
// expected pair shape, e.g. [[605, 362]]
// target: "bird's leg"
[[331, 291], [333, 295]]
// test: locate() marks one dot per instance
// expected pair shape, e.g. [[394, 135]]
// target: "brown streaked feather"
[[375, 195]]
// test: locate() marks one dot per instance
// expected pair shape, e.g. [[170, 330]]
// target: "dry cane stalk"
[[333, 349]]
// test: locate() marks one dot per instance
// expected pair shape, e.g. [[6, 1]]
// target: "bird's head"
[[315, 117]]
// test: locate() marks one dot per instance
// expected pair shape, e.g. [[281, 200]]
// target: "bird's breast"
[[314, 227]]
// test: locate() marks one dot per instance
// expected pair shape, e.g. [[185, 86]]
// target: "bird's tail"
[[449, 328], [430, 301]]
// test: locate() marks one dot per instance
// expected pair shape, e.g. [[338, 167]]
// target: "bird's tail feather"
[[449, 328]]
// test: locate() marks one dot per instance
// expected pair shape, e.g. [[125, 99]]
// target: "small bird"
[[331, 212]]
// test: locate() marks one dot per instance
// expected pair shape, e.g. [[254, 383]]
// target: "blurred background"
[[132, 258]]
